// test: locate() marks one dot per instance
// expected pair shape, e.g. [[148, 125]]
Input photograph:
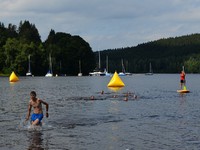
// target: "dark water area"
[[158, 118]]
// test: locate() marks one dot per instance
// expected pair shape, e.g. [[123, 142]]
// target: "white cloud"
[[107, 24]]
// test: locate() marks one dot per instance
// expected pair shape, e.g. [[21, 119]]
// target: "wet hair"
[[33, 93]]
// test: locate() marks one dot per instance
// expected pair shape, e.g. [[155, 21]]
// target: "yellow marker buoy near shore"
[[13, 77], [116, 81]]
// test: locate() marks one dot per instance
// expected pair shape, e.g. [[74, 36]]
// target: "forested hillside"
[[165, 55], [17, 43]]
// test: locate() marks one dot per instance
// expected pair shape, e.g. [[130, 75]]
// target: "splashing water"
[[26, 125]]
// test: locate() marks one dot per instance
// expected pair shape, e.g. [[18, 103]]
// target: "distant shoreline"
[[4, 75]]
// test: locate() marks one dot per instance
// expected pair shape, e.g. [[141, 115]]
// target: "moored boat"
[[29, 66], [50, 72], [150, 70], [97, 72]]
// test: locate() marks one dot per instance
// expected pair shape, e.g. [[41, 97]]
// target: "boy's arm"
[[29, 111], [47, 107]]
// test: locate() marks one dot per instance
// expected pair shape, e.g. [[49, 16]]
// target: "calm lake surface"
[[160, 118]]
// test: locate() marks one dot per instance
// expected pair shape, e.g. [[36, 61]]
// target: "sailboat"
[[123, 69], [106, 69], [124, 73], [150, 70], [97, 72], [80, 74], [50, 72], [29, 66]]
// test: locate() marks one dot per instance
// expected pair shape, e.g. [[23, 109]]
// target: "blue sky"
[[107, 24]]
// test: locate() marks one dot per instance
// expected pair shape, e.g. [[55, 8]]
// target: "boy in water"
[[37, 115]]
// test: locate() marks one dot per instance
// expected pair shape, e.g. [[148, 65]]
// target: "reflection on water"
[[36, 140], [182, 99], [115, 89]]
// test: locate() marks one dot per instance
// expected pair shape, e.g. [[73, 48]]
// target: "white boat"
[[121, 74], [128, 74], [97, 72], [124, 73], [106, 70], [28, 74], [50, 72], [106, 73], [29, 66], [80, 73], [150, 70]]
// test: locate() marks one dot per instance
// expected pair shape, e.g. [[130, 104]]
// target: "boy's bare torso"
[[37, 106]]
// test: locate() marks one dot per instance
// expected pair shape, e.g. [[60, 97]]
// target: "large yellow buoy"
[[116, 81], [13, 77]]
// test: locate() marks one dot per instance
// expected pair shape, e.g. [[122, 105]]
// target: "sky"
[[107, 24]]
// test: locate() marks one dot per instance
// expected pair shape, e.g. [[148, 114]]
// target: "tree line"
[[17, 43], [165, 55]]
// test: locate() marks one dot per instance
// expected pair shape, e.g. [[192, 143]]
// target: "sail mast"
[[123, 68], [29, 63], [99, 61], [107, 63], [79, 66], [50, 64], [150, 68]]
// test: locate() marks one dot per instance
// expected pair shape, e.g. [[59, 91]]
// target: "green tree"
[[11, 51], [193, 64], [28, 33], [66, 51]]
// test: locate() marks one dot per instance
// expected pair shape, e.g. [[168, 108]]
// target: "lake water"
[[160, 118]]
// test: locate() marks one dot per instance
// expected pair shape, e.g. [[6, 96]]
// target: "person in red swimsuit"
[[182, 79]]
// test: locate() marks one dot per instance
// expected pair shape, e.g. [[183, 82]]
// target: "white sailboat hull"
[[80, 74], [121, 74], [48, 75], [50, 72], [29, 66], [28, 74], [149, 73], [150, 70], [97, 73]]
